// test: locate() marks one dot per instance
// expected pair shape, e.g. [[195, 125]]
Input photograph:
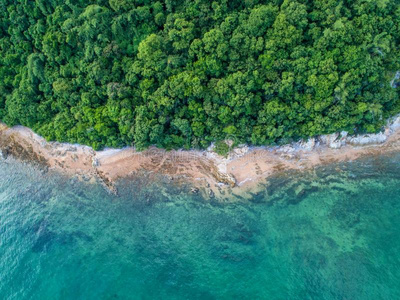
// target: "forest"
[[186, 73]]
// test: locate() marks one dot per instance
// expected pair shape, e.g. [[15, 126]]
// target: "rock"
[[226, 178], [331, 140], [308, 145], [394, 83], [395, 125], [344, 134], [221, 174], [194, 190], [240, 151], [229, 142], [334, 140], [85, 177], [367, 139], [95, 162], [288, 149], [211, 147], [336, 145], [211, 193], [71, 149]]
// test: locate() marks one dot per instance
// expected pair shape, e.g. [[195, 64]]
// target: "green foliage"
[[191, 72], [221, 148]]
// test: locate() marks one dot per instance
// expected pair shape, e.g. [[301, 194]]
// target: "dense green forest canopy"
[[184, 73]]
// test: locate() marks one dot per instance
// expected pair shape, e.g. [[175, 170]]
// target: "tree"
[[189, 73]]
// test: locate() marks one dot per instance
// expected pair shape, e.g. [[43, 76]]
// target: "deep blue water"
[[330, 233]]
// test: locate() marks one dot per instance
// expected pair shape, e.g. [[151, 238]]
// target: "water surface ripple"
[[330, 233]]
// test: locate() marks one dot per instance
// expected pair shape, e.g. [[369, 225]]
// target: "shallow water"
[[331, 233]]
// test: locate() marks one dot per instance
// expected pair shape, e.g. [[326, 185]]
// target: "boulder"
[[225, 178], [308, 145], [367, 139], [344, 134], [239, 151], [95, 162], [288, 149], [71, 149], [395, 125], [3, 154], [242, 150], [331, 140], [211, 148]]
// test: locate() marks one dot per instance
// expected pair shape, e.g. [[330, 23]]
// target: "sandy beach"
[[209, 173]]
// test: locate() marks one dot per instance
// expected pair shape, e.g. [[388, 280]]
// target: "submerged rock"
[[194, 190]]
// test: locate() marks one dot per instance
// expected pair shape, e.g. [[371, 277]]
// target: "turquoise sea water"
[[331, 233]]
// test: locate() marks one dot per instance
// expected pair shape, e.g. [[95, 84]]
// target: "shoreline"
[[209, 173]]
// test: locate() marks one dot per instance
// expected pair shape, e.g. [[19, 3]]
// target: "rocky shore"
[[208, 172]]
